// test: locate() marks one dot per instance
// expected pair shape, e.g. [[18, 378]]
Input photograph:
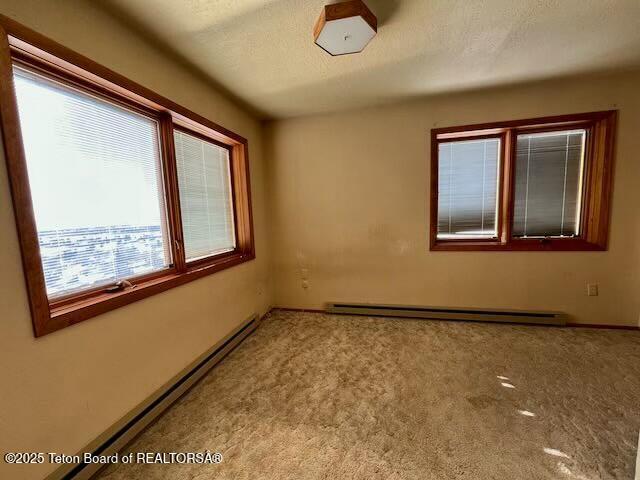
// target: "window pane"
[[467, 186], [548, 184], [96, 184], [204, 182]]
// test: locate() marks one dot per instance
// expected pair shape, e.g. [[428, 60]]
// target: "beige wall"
[[59, 392], [349, 197]]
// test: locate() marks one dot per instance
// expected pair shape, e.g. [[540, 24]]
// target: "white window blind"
[[204, 182], [467, 186], [548, 184], [96, 184]]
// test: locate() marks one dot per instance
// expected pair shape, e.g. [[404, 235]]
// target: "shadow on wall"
[[163, 44], [411, 71], [384, 10]]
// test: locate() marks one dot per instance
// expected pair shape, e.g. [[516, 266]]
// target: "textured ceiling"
[[262, 51]]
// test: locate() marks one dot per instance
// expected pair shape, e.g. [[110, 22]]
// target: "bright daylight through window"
[[118, 192], [96, 185]]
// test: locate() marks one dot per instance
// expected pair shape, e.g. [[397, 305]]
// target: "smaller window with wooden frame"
[[118, 192], [541, 184]]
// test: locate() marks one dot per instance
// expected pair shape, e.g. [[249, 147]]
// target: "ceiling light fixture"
[[345, 27]]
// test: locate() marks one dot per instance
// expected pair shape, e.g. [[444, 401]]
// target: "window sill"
[[517, 245], [74, 312]]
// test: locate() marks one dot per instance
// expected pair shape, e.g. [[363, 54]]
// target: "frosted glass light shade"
[[345, 27]]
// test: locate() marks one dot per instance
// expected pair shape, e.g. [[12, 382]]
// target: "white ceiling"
[[262, 51]]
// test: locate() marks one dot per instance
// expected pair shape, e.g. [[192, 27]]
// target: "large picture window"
[[536, 184], [97, 191], [118, 192]]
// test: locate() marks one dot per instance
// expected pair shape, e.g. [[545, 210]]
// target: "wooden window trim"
[[479, 241], [596, 191], [25, 46], [211, 259]]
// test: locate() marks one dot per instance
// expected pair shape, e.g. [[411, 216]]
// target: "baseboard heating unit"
[[450, 313], [123, 431]]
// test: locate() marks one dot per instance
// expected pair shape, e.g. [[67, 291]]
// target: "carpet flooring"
[[317, 396]]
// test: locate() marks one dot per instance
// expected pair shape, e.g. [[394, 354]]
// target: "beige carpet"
[[313, 396]]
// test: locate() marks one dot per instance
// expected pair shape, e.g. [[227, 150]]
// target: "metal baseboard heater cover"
[[450, 313], [122, 432]]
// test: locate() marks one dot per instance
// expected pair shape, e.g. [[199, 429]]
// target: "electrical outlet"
[[305, 284], [592, 289]]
